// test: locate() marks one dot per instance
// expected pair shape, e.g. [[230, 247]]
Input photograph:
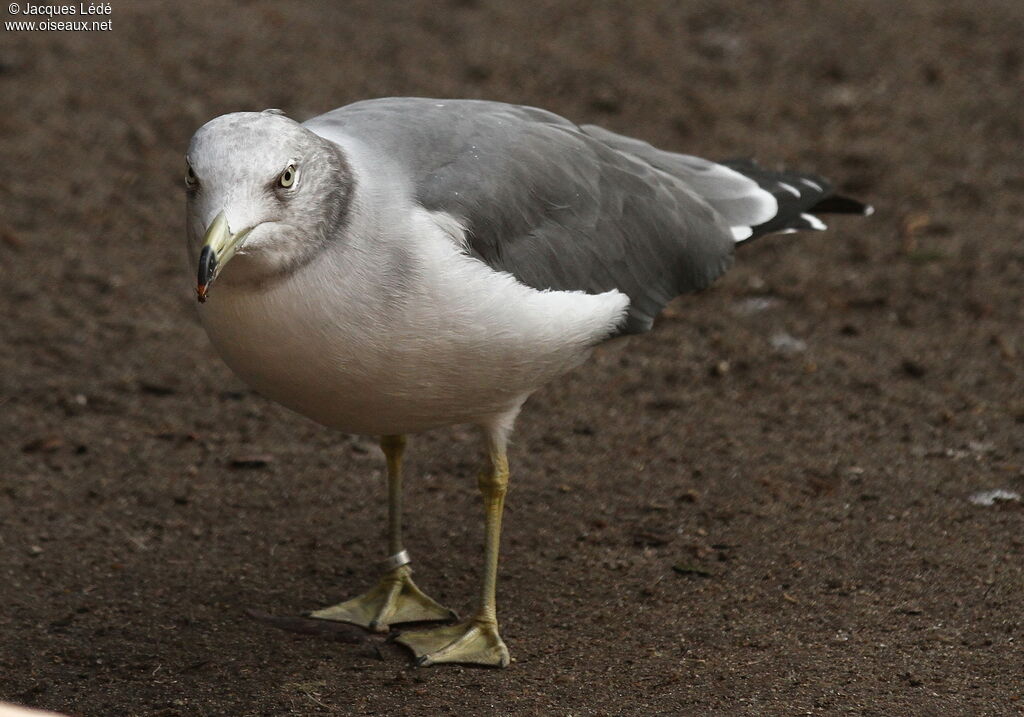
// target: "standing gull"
[[401, 264]]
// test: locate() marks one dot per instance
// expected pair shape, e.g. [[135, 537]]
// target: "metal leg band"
[[393, 562]]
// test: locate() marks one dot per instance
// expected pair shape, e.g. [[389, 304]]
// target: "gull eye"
[[287, 177], [191, 181]]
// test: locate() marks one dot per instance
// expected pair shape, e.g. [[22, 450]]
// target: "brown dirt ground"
[[792, 536]]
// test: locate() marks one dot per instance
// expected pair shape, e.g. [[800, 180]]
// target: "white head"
[[264, 191]]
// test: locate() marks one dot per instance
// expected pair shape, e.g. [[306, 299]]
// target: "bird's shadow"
[[323, 629], [373, 644]]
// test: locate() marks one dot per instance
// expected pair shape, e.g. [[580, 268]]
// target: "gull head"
[[263, 193]]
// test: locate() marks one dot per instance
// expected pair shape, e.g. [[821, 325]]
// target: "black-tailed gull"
[[402, 264]]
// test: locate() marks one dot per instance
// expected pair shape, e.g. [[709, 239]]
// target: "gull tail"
[[800, 197]]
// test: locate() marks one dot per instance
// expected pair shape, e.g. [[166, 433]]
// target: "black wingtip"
[[837, 204]]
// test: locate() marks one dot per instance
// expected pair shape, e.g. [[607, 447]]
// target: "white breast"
[[401, 332]]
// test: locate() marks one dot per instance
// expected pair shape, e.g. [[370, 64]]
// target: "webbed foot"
[[395, 599], [474, 642]]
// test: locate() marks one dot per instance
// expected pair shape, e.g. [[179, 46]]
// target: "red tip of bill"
[[201, 290]]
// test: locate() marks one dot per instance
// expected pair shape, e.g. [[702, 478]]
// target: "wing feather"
[[549, 202]]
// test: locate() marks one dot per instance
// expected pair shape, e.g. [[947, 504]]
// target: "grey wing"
[[738, 198], [549, 203]]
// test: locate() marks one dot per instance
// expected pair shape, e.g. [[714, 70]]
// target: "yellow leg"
[[475, 641], [395, 599]]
